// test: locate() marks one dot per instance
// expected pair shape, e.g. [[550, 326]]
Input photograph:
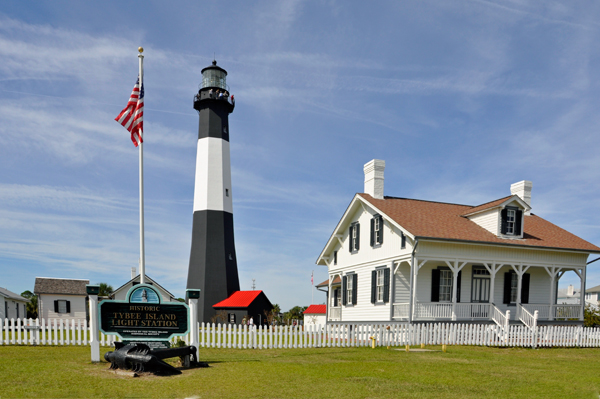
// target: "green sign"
[[143, 317]]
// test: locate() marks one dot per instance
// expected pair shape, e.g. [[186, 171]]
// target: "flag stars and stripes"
[[132, 116]]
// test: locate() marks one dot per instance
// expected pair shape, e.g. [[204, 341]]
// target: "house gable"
[[364, 214]]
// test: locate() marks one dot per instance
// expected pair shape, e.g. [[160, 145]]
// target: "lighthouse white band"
[[213, 176]]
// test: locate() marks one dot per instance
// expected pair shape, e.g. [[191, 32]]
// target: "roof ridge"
[[421, 200]]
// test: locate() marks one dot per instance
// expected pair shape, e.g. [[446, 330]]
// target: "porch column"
[[553, 272], [520, 270], [581, 274], [329, 299], [413, 297], [455, 269], [492, 268]]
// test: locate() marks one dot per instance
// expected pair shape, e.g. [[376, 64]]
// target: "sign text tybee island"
[[143, 317]]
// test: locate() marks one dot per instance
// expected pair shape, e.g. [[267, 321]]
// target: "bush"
[[591, 316]]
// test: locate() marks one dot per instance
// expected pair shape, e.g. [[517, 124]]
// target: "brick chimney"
[[523, 190], [374, 178]]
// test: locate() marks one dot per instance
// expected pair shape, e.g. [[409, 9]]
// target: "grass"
[[462, 372]]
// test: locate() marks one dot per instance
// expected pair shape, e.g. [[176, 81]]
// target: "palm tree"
[[105, 289]]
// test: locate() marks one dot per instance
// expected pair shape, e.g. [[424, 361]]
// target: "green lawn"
[[462, 372]]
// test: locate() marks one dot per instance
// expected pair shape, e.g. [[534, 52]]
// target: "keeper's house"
[[413, 260]]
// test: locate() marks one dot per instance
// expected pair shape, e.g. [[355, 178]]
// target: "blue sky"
[[460, 98]]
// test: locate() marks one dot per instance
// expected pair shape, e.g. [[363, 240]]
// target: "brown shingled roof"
[[325, 283], [444, 221], [485, 206], [45, 285]]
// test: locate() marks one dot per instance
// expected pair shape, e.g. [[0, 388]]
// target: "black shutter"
[[374, 286], [68, 306], [344, 289], [507, 278], [403, 245], [458, 280], [335, 297], [373, 232], [357, 227], [518, 224], [386, 285], [354, 287], [503, 215], [56, 306], [435, 285], [525, 288], [380, 230], [350, 239]]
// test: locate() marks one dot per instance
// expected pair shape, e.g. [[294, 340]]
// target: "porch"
[[435, 311]]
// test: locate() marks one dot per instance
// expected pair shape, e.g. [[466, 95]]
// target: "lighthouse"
[[213, 263]]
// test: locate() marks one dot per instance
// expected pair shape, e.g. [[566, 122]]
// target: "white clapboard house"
[[399, 259], [61, 298]]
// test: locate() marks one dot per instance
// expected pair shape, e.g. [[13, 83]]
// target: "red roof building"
[[244, 305], [316, 309]]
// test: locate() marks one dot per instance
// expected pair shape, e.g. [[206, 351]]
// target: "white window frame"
[[514, 288], [446, 281], [349, 288], [353, 239], [511, 218], [62, 302], [377, 230], [380, 284]]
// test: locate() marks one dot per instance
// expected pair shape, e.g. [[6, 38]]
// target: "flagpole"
[[141, 146]]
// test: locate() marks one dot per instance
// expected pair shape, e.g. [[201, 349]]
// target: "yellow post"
[[422, 345], [407, 348], [373, 342], [444, 348]]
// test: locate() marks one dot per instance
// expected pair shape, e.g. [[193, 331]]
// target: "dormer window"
[[511, 223]]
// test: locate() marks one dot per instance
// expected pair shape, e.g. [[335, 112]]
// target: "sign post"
[[192, 296], [92, 291]]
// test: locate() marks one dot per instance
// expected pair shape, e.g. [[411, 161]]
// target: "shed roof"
[[239, 299], [48, 285], [316, 309], [9, 294]]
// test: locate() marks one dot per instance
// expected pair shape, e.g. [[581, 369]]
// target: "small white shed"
[[12, 306], [315, 315]]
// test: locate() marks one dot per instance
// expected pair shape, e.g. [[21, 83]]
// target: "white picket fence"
[[395, 334], [76, 332], [53, 332]]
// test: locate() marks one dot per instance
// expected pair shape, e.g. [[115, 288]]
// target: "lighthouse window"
[[227, 192]]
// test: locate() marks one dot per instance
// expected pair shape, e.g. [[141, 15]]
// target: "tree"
[[32, 304], [105, 289], [295, 313], [591, 316], [272, 315]]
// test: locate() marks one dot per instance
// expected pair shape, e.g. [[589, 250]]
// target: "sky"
[[460, 98]]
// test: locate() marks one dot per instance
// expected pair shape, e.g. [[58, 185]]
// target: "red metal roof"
[[316, 309], [239, 299]]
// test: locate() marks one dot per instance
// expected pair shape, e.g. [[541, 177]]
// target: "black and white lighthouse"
[[213, 264]]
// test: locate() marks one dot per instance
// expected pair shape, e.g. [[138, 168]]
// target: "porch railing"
[[529, 319], [500, 318], [432, 311], [401, 311], [335, 314], [472, 311], [553, 312]]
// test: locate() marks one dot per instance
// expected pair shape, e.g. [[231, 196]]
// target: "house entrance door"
[[480, 291]]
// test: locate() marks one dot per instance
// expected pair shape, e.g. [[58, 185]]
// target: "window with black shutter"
[[376, 230], [344, 290], [511, 223], [354, 237], [374, 286], [511, 282], [386, 285], [354, 288], [403, 240]]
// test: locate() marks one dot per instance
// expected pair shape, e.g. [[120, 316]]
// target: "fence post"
[[92, 291], [535, 329]]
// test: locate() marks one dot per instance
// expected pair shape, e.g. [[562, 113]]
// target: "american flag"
[[311, 278], [132, 116]]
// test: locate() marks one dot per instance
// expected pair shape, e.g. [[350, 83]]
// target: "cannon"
[[139, 357]]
